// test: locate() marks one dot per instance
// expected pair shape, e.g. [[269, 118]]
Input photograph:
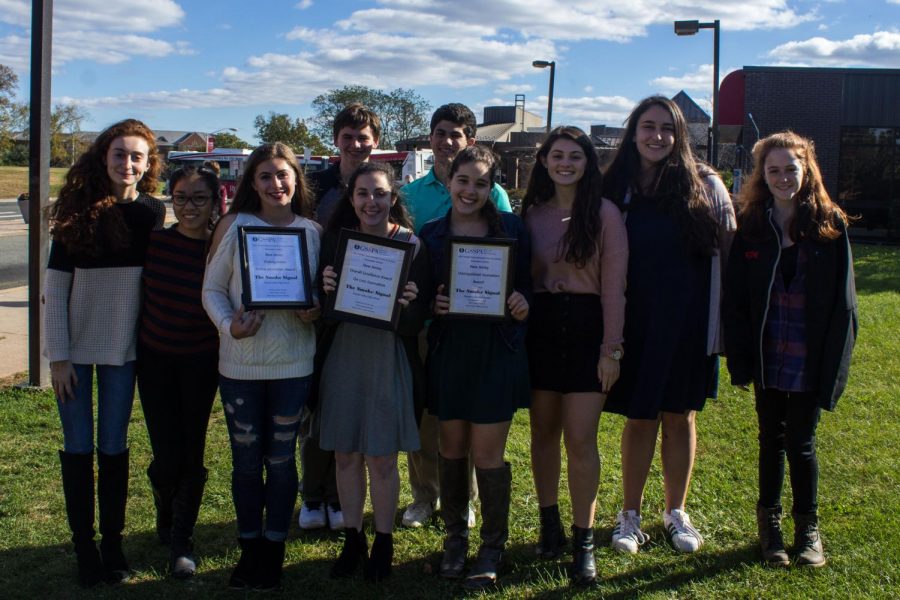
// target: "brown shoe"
[[771, 542], [807, 542]]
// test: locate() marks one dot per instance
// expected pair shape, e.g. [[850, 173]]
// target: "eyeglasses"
[[199, 201]]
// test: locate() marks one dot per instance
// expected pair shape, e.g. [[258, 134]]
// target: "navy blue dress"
[[665, 367]]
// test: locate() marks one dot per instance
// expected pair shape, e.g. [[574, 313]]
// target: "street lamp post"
[[543, 64], [690, 28]]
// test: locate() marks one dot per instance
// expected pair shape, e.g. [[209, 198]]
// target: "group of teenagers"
[[628, 284]]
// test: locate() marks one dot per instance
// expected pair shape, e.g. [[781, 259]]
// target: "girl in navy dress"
[[477, 373]]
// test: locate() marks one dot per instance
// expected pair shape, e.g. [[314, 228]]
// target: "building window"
[[869, 177]]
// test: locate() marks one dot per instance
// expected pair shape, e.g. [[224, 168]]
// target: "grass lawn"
[[859, 502], [14, 181]]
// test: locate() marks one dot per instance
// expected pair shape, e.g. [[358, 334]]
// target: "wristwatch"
[[616, 354], [613, 351]]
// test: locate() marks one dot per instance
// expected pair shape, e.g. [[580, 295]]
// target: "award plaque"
[[372, 272], [479, 277], [274, 269]]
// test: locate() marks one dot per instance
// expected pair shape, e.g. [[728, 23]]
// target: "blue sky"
[[200, 65]]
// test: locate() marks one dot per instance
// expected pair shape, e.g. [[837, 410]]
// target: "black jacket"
[[831, 310]]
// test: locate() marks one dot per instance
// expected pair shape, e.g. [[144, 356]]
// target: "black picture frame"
[[249, 235], [357, 246], [456, 248]]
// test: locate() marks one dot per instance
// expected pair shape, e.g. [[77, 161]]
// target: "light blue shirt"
[[427, 198]]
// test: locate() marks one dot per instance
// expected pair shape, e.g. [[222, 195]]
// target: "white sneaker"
[[417, 514], [335, 516], [627, 535], [471, 521], [684, 536], [312, 515]]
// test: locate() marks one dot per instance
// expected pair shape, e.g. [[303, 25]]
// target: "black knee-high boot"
[[78, 488], [495, 486], [163, 499], [454, 482], [186, 507], [112, 492]]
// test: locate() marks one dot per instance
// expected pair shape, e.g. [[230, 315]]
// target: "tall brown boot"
[[494, 486], [454, 482]]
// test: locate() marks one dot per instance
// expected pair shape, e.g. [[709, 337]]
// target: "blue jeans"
[[263, 420], [115, 397]]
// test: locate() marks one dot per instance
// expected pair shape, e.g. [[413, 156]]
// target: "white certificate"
[[370, 277], [479, 279], [275, 266]]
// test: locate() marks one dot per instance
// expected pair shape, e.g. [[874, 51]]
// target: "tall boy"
[[356, 131]]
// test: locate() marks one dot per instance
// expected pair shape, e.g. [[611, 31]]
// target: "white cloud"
[[586, 110], [304, 4], [510, 89], [880, 49], [93, 30], [588, 89], [699, 80]]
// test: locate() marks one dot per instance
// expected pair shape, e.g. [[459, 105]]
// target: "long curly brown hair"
[[677, 183], [84, 217], [816, 216]]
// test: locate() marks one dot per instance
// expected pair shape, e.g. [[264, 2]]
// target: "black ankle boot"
[[584, 567], [112, 493], [454, 489], [244, 574], [271, 563], [553, 538], [378, 567], [163, 497], [78, 488], [771, 542], [354, 552], [494, 489]]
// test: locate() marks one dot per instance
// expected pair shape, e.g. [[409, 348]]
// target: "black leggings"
[[787, 425], [177, 393]]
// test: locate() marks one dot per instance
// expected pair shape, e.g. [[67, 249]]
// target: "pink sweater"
[[604, 275]]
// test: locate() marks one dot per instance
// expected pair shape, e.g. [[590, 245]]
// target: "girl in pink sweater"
[[579, 260]]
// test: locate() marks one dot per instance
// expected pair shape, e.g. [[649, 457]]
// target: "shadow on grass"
[[877, 269]]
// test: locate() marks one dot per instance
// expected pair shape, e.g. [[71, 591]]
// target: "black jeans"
[[177, 393], [787, 425]]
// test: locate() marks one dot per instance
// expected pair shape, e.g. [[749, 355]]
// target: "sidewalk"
[[13, 331]]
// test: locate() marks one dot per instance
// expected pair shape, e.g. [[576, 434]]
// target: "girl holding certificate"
[[369, 377], [579, 260], [790, 327], [178, 349], [265, 364], [679, 219], [477, 371], [100, 225]]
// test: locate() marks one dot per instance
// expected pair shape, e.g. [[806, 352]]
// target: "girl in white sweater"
[[265, 364]]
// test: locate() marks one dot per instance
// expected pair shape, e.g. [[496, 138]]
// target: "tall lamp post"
[[543, 64], [690, 28]]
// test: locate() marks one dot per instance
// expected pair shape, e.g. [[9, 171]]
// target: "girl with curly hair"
[[100, 226]]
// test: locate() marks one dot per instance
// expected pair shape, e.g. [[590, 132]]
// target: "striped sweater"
[[172, 319], [92, 303]]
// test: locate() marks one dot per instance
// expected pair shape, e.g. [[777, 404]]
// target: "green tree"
[[278, 127], [65, 125], [13, 115], [403, 112], [226, 139]]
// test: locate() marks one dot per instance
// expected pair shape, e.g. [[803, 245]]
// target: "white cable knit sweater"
[[284, 346]]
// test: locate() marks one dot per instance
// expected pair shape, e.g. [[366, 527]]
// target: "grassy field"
[[859, 502], [14, 181]]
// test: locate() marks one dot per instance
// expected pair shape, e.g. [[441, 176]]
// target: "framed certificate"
[[274, 268], [479, 277], [372, 272]]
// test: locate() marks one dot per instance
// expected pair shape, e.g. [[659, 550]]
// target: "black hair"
[[210, 178], [345, 217], [579, 244], [481, 154], [456, 113]]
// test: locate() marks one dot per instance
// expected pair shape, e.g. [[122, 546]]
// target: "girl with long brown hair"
[[790, 327], [100, 226]]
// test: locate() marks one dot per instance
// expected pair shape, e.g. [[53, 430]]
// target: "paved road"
[[13, 247]]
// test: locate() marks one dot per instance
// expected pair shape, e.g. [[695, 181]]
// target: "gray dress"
[[366, 394]]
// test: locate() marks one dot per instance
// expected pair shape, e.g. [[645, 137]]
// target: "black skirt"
[[565, 332]]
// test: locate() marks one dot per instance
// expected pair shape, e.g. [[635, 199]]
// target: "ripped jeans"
[[263, 420]]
